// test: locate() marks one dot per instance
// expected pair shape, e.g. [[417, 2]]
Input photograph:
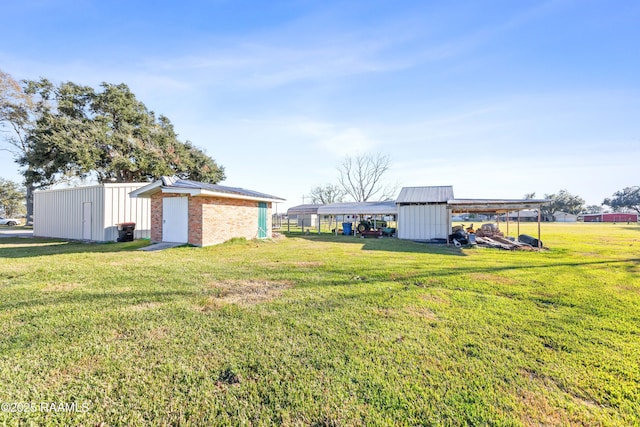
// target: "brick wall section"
[[224, 219], [213, 220], [156, 218]]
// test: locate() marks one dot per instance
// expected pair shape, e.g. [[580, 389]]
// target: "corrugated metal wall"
[[119, 207], [59, 213], [423, 222]]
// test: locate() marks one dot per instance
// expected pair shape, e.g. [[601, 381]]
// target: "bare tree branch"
[[361, 177]]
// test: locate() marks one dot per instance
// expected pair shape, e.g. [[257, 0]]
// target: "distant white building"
[[565, 217]]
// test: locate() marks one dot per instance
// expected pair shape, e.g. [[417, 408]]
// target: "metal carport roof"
[[494, 205], [308, 209], [359, 208]]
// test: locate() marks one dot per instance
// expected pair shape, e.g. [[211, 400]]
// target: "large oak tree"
[[109, 134], [67, 131]]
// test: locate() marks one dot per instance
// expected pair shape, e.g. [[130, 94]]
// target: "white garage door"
[[175, 219]]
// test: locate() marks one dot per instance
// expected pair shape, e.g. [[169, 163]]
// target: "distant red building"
[[611, 217]]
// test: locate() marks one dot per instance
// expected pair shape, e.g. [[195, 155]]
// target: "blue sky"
[[497, 98]]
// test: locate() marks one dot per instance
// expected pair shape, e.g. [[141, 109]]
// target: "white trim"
[[147, 190]]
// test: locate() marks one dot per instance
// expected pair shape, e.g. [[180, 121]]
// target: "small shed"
[[423, 213], [305, 215], [90, 213], [201, 214], [564, 217]]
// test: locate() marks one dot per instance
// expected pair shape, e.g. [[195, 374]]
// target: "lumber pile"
[[500, 242], [489, 230]]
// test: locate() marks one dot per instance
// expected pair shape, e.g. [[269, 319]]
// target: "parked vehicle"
[[10, 222], [368, 224]]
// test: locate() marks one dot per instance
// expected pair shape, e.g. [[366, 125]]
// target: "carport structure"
[[351, 212], [497, 207], [302, 213], [346, 212]]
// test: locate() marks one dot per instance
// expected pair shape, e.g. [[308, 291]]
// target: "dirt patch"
[[72, 371], [436, 298], [157, 333], [540, 409], [62, 287], [306, 264], [243, 292], [422, 312]]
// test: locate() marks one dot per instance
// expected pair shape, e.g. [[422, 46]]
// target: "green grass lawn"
[[324, 330]]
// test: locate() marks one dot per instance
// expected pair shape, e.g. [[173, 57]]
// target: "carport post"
[[539, 210], [518, 222], [507, 223]]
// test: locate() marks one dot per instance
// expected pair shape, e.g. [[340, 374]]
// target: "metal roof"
[[526, 213], [308, 209], [185, 183], [435, 194], [194, 188], [494, 205], [359, 208]]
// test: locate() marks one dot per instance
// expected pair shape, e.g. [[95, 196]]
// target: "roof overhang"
[[158, 186], [309, 209], [148, 190], [359, 208], [494, 205], [200, 192]]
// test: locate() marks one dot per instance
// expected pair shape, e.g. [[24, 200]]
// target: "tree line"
[[66, 131]]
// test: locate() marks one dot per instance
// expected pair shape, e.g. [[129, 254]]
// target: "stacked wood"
[[489, 230], [500, 242]]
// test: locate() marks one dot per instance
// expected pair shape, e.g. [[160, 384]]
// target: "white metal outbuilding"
[[90, 213], [423, 213]]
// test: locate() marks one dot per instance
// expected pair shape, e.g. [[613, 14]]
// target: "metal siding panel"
[[406, 224], [58, 213], [431, 220], [119, 207], [403, 225], [97, 197], [423, 222], [422, 212]]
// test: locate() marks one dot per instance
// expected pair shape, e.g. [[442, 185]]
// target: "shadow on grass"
[[632, 227], [86, 299], [388, 244], [373, 274], [17, 247]]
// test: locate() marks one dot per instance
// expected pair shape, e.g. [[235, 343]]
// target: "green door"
[[262, 220]]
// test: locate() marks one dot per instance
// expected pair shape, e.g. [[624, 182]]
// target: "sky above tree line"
[[497, 98]]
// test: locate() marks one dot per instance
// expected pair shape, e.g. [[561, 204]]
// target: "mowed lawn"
[[323, 330]]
